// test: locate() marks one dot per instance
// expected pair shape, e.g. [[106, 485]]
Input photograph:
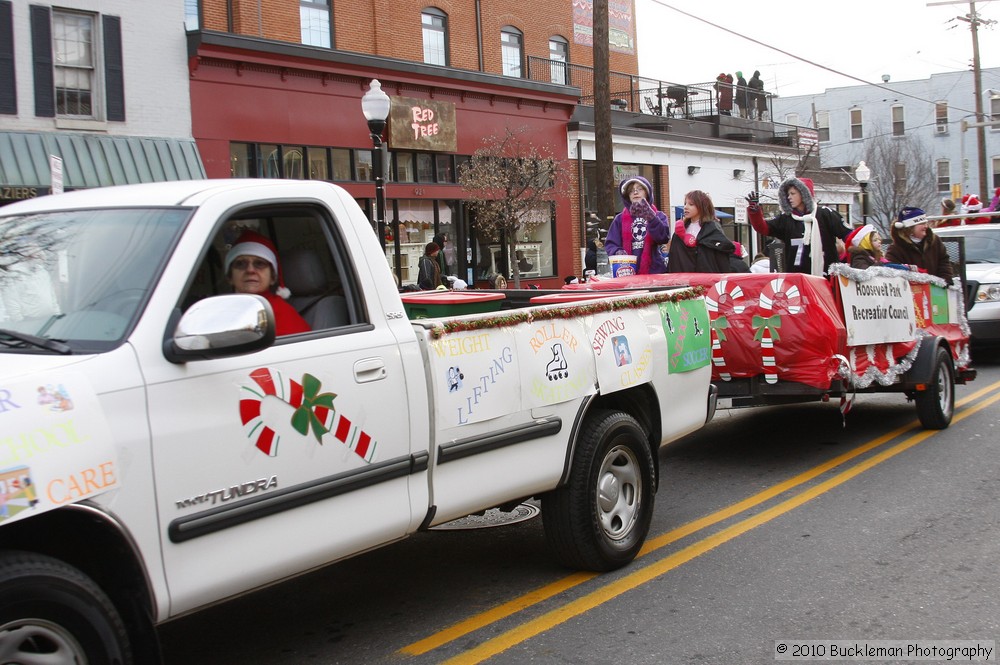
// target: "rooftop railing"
[[638, 94]]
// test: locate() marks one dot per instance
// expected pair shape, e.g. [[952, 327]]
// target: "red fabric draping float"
[[789, 326]]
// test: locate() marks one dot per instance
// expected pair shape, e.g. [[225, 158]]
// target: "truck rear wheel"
[[51, 612], [936, 404], [600, 518]]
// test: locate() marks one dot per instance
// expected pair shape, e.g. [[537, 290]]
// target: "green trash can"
[[433, 304]]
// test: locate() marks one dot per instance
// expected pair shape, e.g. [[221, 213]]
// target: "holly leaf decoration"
[[305, 417]]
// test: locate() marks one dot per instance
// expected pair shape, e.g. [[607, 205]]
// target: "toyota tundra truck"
[[163, 450]]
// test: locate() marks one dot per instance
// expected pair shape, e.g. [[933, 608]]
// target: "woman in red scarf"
[[639, 229]]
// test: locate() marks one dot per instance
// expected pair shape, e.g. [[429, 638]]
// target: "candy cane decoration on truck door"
[[313, 410]]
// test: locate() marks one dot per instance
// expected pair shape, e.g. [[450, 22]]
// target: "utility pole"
[[604, 162], [974, 21]]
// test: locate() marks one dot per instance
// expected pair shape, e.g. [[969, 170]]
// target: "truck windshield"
[[80, 277]]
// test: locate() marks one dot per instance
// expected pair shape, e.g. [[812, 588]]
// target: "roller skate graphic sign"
[[314, 413], [558, 364]]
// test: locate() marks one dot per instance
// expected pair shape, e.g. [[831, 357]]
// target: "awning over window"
[[94, 160]]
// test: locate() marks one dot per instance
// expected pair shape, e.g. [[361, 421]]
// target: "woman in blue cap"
[[914, 243]]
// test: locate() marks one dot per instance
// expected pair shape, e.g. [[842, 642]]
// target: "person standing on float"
[[639, 229]]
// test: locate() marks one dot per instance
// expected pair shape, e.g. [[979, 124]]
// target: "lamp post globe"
[[863, 174], [375, 106]]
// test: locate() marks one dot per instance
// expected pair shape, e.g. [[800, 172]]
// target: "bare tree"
[[773, 170], [511, 184], [27, 242], [902, 175]]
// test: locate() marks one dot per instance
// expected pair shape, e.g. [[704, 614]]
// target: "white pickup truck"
[[162, 450]]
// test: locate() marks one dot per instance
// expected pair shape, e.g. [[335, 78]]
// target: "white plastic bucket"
[[622, 265]]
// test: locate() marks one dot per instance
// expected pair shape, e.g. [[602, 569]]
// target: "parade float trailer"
[[785, 338]]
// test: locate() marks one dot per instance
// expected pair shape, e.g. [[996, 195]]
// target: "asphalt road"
[[771, 524]]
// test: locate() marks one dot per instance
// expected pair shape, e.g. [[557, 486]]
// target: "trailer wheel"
[[600, 518], [936, 405], [51, 612]]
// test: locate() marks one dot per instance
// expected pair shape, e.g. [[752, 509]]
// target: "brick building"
[[276, 90]]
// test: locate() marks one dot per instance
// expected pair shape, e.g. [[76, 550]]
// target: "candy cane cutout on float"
[[290, 391], [719, 304], [767, 325]]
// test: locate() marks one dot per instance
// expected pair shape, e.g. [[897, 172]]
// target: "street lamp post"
[[375, 105], [863, 175]]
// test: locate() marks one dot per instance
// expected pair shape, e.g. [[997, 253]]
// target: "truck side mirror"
[[221, 326]]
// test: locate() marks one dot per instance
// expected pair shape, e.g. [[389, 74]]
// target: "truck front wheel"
[[936, 404], [600, 518], [51, 612]]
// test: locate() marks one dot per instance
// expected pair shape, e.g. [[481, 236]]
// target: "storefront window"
[[416, 229], [270, 161], [363, 164], [425, 167], [341, 160], [404, 167], [318, 164], [445, 173], [533, 253], [293, 163], [241, 160]]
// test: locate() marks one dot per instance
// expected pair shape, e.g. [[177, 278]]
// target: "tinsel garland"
[[516, 316], [871, 273]]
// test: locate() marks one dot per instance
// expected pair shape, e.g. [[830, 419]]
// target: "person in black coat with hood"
[[808, 231], [742, 96], [698, 243]]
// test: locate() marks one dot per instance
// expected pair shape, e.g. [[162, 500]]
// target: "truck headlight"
[[988, 293]]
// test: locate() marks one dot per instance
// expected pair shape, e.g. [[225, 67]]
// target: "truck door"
[[275, 462]]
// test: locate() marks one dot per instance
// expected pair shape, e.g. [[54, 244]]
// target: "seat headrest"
[[303, 272]]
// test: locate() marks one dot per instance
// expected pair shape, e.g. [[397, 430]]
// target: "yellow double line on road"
[[649, 572]]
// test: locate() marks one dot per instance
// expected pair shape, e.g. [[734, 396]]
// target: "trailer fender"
[[923, 368]]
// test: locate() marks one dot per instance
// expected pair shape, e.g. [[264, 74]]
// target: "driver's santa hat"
[[251, 243]]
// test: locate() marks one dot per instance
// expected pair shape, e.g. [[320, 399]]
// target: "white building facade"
[[931, 111], [101, 84]]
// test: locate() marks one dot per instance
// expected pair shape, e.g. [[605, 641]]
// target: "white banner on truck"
[[55, 445]]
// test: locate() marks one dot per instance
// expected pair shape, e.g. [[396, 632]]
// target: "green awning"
[[91, 160]]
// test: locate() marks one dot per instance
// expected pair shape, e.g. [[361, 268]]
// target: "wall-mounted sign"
[[10, 194], [621, 25], [808, 137], [422, 124], [56, 172]]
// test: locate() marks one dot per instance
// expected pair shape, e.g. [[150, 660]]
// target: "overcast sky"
[[906, 39]]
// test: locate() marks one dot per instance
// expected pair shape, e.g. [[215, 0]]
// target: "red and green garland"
[[516, 316]]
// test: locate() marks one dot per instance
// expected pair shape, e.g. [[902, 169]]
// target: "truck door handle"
[[367, 370]]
